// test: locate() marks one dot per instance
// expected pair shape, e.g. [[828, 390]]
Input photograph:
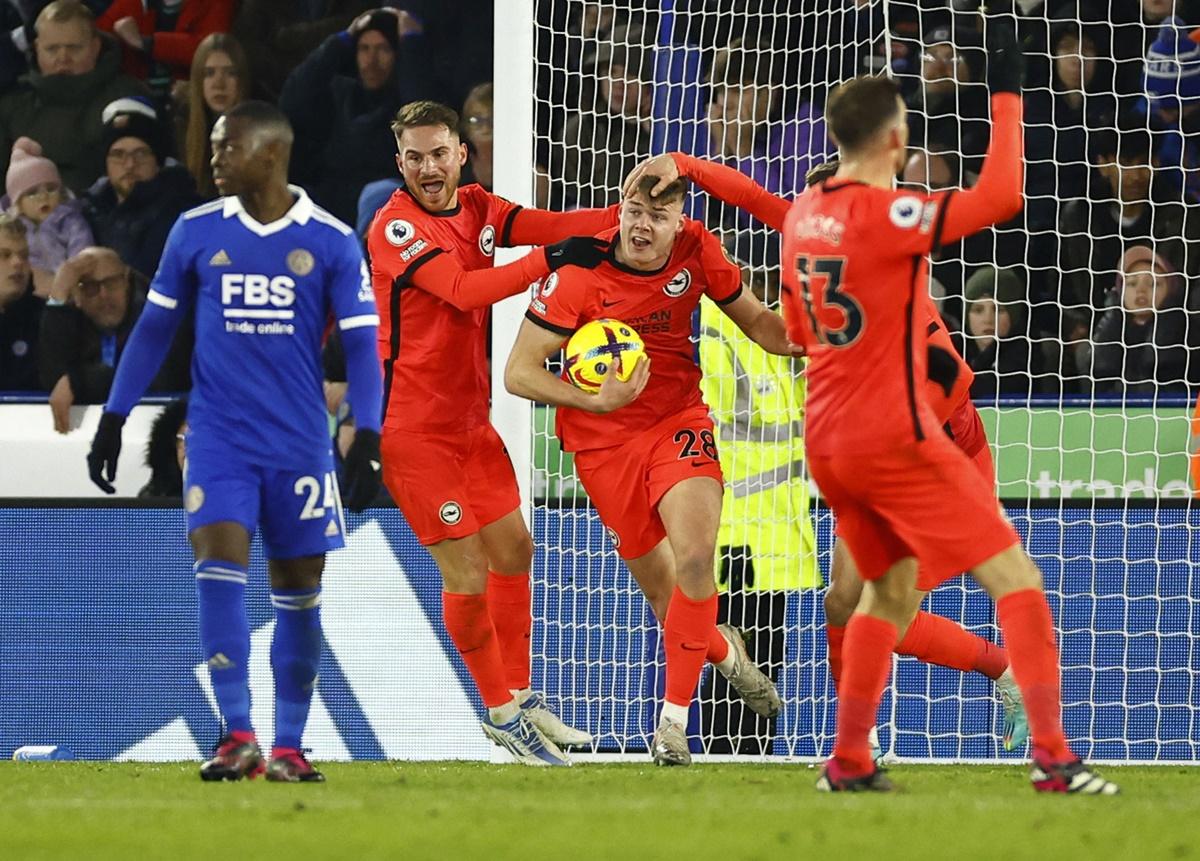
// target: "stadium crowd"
[[106, 109]]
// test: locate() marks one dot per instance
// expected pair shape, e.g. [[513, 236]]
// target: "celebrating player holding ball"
[[644, 446]]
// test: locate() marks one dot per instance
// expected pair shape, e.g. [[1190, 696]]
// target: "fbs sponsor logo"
[[450, 512], [679, 284]]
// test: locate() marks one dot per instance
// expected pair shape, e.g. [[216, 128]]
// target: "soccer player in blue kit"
[[265, 269]]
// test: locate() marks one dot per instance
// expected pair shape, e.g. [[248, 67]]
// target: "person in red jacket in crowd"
[[159, 37]]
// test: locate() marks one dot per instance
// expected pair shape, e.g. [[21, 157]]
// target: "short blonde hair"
[[62, 11], [12, 226]]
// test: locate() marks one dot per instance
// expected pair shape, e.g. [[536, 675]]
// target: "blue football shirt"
[[263, 295]]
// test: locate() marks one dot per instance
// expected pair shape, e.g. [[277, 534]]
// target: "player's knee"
[[1010, 570], [838, 607], [694, 567]]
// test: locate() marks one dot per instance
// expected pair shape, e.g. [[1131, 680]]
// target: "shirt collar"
[[300, 213]]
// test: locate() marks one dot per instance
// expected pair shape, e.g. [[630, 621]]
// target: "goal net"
[[1090, 426]]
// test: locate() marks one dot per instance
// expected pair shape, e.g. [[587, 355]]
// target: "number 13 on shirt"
[[822, 277]]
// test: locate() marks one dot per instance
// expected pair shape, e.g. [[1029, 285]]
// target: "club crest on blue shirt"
[[194, 498], [300, 261], [399, 232], [678, 285]]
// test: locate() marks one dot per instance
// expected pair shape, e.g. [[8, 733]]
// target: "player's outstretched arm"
[[996, 197], [729, 185], [543, 227], [444, 277], [526, 376], [761, 325]]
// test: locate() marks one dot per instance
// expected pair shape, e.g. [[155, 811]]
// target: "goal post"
[[1097, 486]]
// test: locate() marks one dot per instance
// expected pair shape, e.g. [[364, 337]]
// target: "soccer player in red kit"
[[911, 507], [930, 638], [431, 249], [644, 448]]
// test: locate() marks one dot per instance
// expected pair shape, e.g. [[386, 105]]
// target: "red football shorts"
[[449, 486], [626, 482], [927, 500]]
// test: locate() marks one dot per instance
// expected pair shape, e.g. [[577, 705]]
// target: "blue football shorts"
[[300, 512]]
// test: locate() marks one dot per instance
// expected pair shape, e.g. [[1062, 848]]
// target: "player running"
[[431, 249], [263, 268], [903, 493], [930, 638], [648, 459]]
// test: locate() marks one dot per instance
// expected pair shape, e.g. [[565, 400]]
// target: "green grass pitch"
[[476, 811]]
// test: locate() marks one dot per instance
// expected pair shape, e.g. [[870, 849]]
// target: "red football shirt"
[[433, 321], [659, 306], [854, 295], [946, 403]]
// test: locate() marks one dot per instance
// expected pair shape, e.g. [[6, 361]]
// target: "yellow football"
[[594, 348]]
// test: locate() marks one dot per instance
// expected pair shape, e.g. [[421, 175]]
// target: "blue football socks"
[[295, 660], [225, 638]]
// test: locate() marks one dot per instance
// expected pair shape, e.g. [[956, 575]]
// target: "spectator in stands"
[[20, 311], [59, 105], [1173, 94], [754, 128], [134, 205], [476, 132], [342, 122], [1127, 202], [165, 452], [16, 20], [220, 79], [160, 36], [933, 169], [53, 217], [1145, 342], [610, 135], [1059, 120], [279, 34], [946, 106], [91, 310], [997, 346]]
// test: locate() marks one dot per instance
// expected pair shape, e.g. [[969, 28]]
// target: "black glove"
[[1006, 63], [106, 448], [585, 251], [362, 470]]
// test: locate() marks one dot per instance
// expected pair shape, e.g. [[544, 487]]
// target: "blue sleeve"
[[171, 293], [353, 303]]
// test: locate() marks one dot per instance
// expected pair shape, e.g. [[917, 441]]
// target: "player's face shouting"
[[431, 159], [648, 232]]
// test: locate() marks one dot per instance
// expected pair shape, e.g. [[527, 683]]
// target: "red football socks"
[[470, 627], [1029, 632], [835, 635], [868, 660], [508, 604], [687, 635], [718, 647], [936, 640]]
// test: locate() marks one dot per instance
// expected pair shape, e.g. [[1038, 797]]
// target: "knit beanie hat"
[[133, 117], [28, 168], [385, 23], [1173, 63], [1002, 285]]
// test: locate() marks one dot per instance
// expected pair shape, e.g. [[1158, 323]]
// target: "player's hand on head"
[[662, 167], [106, 448], [362, 470], [587, 252], [1005, 61], [615, 393]]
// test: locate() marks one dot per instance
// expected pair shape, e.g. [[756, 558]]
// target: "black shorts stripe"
[[398, 286], [547, 325], [930, 329], [909, 369], [506, 229]]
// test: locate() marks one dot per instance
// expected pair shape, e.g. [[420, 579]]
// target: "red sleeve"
[[176, 48], [522, 226], [117, 11], [735, 188], [723, 276], [996, 197], [558, 305], [401, 251]]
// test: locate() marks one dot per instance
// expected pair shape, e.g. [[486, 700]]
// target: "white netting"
[[1101, 405]]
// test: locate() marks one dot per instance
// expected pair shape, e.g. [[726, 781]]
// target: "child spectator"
[[53, 218], [220, 80], [1145, 342], [20, 311], [997, 348]]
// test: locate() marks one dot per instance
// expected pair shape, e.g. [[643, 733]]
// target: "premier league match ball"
[[595, 347]]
